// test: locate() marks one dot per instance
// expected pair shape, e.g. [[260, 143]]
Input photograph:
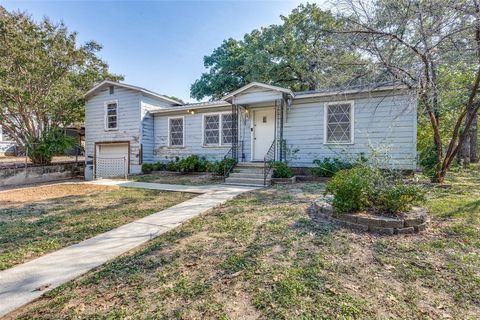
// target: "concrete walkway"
[[26, 282]]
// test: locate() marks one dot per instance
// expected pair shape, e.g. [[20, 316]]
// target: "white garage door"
[[111, 160]]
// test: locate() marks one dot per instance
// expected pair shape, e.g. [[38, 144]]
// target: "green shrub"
[[147, 167], [428, 161], [353, 189], [398, 197], [328, 167], [218, 167], [282, 170], [364, 187], [51, 142], [172, 165]]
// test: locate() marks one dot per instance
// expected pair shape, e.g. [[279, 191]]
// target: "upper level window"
[[175, 129], [111, 115], [339, 123], [217, 129]]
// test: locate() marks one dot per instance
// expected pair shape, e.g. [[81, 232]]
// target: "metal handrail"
[[227, 168], [268, 161]]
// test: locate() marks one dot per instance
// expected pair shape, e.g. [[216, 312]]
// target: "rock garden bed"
[[412, 222]]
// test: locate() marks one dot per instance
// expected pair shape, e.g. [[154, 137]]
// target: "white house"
[[126, 126], [7, 145]]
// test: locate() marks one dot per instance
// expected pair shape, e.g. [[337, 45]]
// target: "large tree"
[[411, 40], [301, 53], [44, 74]]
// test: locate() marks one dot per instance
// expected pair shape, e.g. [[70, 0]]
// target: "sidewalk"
[[26, 282]]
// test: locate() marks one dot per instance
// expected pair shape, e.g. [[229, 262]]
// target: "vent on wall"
[[111, 89]]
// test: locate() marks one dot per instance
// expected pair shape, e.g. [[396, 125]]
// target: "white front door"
[[263, 132]]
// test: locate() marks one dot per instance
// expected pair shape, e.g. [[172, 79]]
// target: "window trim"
[[105, 117], [220, 129], [352, 121], [169, 137]]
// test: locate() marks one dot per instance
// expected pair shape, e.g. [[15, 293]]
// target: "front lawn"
[[35, 221], [262, 256]]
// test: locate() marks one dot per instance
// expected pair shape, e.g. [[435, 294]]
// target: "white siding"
[[383, 124], [128, 124], [193, 135], [149, 103]]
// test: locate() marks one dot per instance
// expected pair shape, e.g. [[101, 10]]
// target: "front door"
[[263, 132]]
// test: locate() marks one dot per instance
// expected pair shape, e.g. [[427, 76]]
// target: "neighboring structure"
[[7, 146], [254, 123]]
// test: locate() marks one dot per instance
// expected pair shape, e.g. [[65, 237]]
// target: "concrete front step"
[[249, 175], [250, 164], [246, 181], [248, 170]]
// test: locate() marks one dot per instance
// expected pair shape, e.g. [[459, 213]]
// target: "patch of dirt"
[[18, 197]]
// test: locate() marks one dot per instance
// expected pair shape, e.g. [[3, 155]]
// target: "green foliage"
[[192, 163], [44, 75], [428, 160], [51, 142], [301, 53], [365, 187], [398, 197], [354, 188], [218, 167], [147, 167], [328, 167], [282, 170]]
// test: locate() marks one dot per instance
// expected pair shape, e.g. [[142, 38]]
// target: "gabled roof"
[[260, 85], [128, 86]]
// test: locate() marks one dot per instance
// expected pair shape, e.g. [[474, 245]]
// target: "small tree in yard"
[[44, 74], [410, 40]]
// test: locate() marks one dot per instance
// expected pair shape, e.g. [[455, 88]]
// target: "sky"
[[158, 45]]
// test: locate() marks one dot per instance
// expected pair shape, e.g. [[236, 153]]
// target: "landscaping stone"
[[379, 230], [392, 223], [414, 221], [421, 227], [407, 230], [356, 226]]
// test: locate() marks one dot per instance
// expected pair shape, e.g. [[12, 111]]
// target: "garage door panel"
[[111, 160]]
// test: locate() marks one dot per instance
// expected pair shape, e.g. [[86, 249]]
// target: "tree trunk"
[[474, 158], [468, 151], [463, 155]]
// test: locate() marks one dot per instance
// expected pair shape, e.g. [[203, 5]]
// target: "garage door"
[[111, 160]]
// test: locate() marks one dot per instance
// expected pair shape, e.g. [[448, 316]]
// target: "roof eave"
[[187, 108], [258, 84], [127, 86], [354, 91]]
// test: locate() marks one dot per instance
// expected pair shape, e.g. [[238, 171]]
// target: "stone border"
[[291, 180], [416, 221]]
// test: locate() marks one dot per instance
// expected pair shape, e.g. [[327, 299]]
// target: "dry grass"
[[263, 256], [178, 178], [18, 197], [38, 220]]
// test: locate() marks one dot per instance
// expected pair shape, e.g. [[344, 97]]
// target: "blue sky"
[[158, 45]]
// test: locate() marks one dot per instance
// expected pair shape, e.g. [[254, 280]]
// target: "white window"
[[217, 129], [227, 128], [211, 129], [175, 131], [111, 115], [338, 123]]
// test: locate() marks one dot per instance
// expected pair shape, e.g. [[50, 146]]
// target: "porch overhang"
[[257, 93]]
